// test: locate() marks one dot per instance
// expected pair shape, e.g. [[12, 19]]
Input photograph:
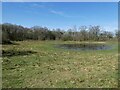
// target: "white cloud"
[[37, 5], [60, 13], [57, 12]]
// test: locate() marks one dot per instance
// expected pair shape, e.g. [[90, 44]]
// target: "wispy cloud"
[[60, 13], [57, 12], [64, 14], [49, 9], [37, 5]]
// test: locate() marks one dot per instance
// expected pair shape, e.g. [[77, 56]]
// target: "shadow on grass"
[[9, 43], [10, 53]]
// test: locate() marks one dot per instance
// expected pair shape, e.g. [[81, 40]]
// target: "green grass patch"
[[39, 64]]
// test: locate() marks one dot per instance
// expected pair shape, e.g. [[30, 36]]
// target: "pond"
[[84, 46]]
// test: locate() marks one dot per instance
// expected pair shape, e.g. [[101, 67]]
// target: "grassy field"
[[38, 64]]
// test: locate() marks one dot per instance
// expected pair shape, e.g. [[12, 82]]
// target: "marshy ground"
[[39, 64], [85, 46]]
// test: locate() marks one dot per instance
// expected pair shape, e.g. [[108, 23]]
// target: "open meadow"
[[40, 64]]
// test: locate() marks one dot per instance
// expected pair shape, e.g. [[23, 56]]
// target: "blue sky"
[[62, 15]]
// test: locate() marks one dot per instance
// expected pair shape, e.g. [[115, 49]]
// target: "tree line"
[[12, 32]]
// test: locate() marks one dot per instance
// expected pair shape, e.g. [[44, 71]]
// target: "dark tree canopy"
[[12, 32]]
